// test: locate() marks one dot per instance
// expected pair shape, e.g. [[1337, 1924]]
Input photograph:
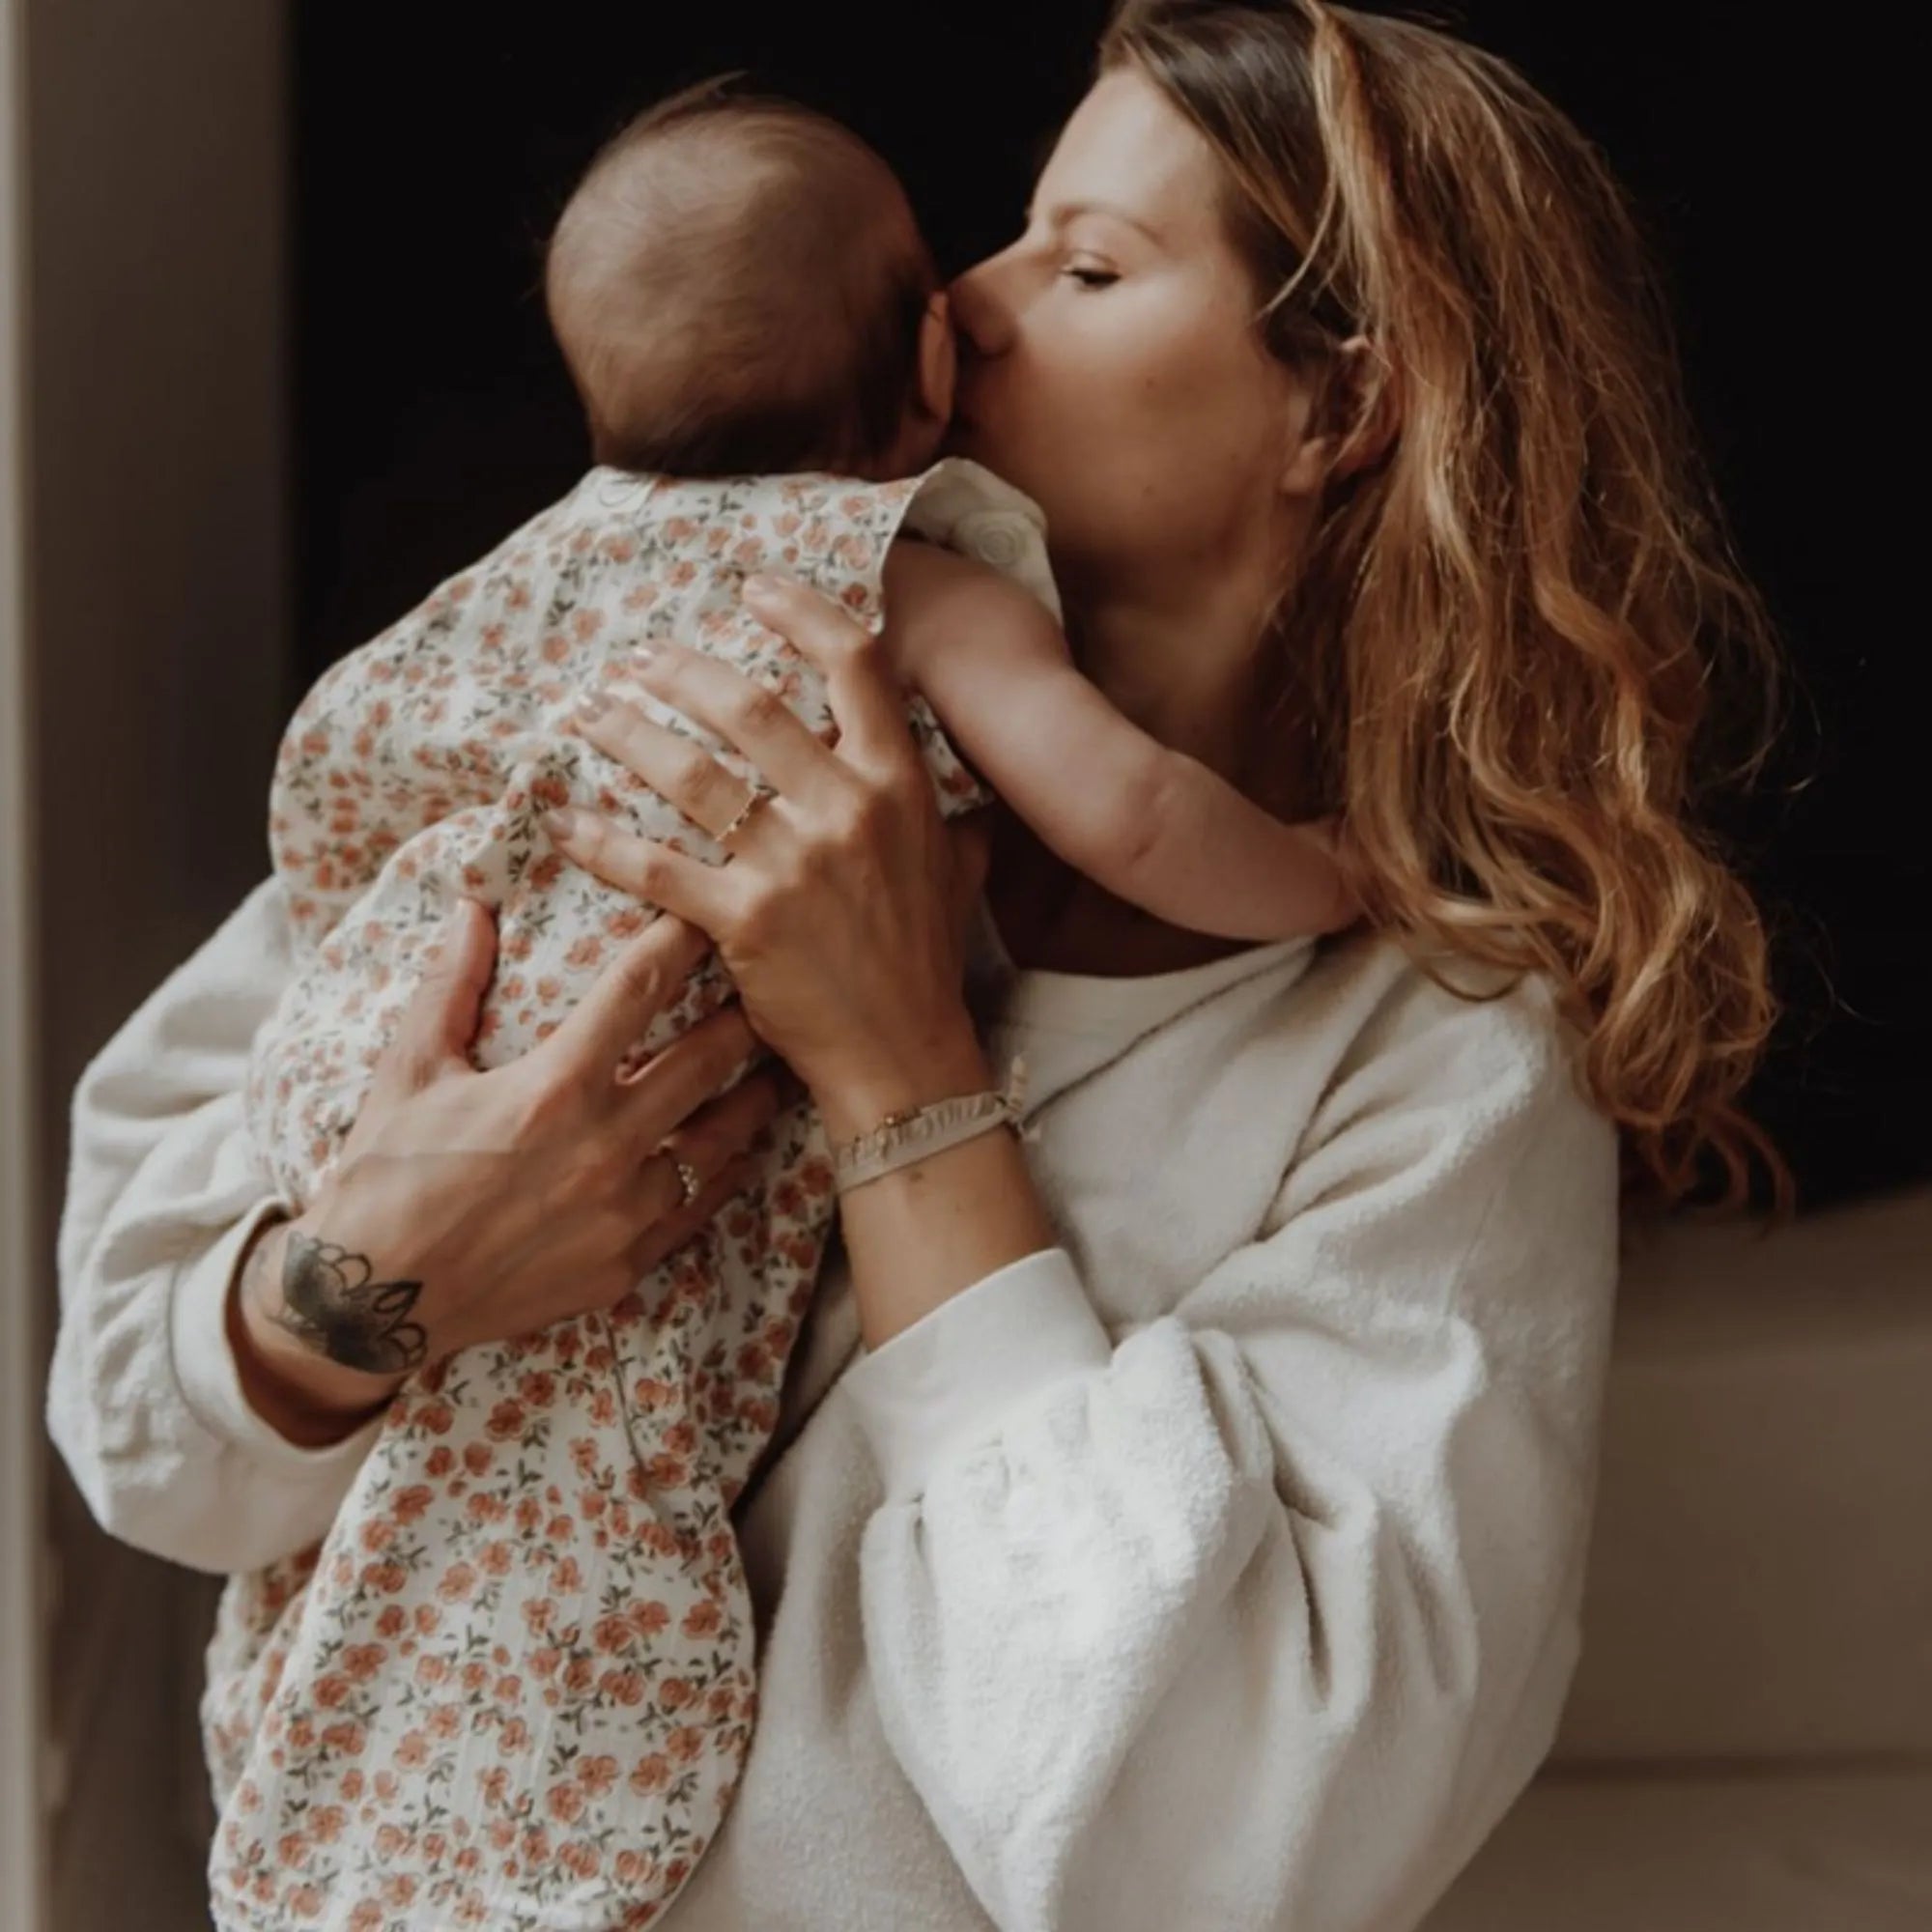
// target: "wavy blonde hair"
[[1506, 634]]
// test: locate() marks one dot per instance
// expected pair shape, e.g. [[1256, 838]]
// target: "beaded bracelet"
[[919, 1132]]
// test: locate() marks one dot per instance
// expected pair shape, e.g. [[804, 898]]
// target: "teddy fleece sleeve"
[[1263, 1614], [164, 1191]]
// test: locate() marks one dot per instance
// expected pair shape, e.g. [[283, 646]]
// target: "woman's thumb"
[[440, 1020]]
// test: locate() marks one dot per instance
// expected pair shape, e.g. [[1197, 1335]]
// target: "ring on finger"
[[758, 795], [691, 1183]]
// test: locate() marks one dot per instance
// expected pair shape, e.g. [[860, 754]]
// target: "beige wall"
[[154, 258]]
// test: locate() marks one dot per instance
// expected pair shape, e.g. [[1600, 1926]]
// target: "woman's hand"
[[842, 913], [472, 1206]]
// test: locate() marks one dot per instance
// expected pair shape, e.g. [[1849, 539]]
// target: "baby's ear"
[[938, 357]]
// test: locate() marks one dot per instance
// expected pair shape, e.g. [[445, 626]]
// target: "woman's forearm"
[[917, 1237]]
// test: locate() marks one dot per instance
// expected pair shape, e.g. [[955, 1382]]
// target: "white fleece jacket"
[[1217, 1571]]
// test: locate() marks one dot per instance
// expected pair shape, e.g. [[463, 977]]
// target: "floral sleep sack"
[[513, 1686]]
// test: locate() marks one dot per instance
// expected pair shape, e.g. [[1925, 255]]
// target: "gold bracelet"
[[917, 1133]]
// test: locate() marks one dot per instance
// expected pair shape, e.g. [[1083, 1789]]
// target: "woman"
[[1179, 1519]]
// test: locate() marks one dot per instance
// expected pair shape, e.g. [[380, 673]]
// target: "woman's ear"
[[938, 357], [1346, 422], [1371, 397]]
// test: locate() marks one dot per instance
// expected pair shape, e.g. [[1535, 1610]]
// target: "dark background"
[[433, 414]]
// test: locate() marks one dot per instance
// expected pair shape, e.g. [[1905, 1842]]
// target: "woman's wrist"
[[930, 1229], [299, 1392], [950, 1062], [933, 1227]]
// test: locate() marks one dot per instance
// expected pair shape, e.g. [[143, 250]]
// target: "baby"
[[514, 1685]]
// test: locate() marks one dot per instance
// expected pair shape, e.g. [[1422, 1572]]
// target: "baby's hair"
[[737, 286]]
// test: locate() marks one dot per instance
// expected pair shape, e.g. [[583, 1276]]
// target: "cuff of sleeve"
[[956, 1371], [204, 1363]]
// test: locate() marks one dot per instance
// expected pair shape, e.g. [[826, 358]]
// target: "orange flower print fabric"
[[514, 1686]]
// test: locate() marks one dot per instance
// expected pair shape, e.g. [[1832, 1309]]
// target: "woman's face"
[[1109, 364]]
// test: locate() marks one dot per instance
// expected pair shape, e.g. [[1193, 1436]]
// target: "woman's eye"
[[1091, 278]]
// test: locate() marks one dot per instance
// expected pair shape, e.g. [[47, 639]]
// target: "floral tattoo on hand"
[[332, 1306]]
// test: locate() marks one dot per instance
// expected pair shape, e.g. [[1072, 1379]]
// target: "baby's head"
[[739, 286]]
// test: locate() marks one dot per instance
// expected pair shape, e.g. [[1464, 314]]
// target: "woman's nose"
[[982, 320]]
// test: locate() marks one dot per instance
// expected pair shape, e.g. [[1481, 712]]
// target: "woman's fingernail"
[[761, 586], [560, 823], [646, 655], [591, 707]]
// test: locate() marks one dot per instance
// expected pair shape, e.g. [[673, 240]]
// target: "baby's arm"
[[1153, 825]]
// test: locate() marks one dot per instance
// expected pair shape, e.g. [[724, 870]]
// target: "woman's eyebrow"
[[1065, 210]]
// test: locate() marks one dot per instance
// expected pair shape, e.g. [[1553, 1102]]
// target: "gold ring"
[[757, 798], [689, 1179]]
